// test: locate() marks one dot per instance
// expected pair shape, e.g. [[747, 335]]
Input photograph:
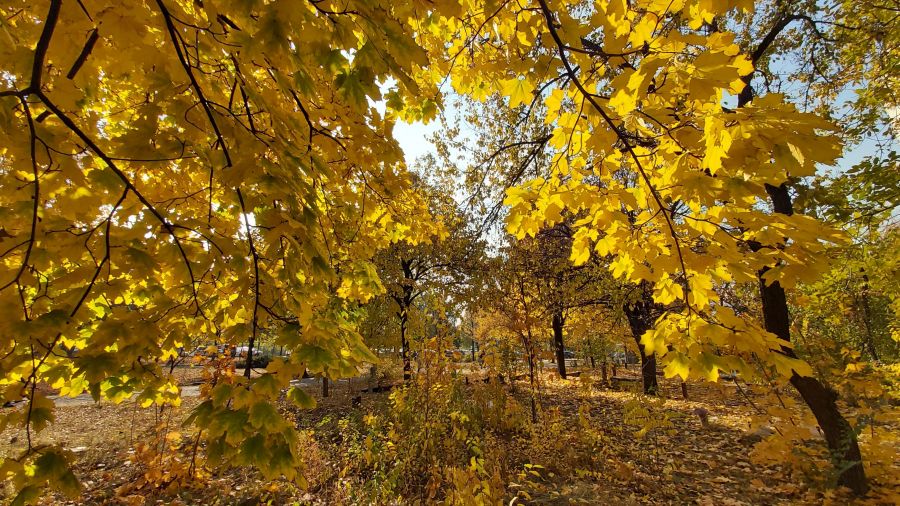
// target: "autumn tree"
[[561, 287], [640, 88], [513, 308], [858, 296], [178, 173], [845, 57], [181, 172], [445, 262], [599, 331]]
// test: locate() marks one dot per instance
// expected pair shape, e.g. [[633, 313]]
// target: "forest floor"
[[678, 462]]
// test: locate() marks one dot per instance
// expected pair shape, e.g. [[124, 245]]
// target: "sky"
[[414, 140]]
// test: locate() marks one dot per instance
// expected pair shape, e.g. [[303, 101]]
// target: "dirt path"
[[186, 392]]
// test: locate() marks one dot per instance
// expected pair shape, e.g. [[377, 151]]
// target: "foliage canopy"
[[179, 174]]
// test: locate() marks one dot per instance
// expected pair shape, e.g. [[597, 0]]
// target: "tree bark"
[[324, 386], [248, 366], [822, 401], [557, 323], [640, 318], [648, 372], [867, 316], [529, 350], [405, 303], [404, 346]]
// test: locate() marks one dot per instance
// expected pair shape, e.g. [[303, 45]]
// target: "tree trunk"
[[648, 372], [529, 352], [404, 346], [867, 318], [640, 319], [324, 386], [822, 401], [557, 324], [603, 372], [248, 366], [404, 303]]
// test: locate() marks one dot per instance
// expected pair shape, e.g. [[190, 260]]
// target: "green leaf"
[[300, 398], [266, 385], [28, 495], [233, 422], [96, 366], [317, 359], [41, 411], [53, 466], [253, 451], [263, 414]]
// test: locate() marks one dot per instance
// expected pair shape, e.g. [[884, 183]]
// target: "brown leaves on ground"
[[587, 447]]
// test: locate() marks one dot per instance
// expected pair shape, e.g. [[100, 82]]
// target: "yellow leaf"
[[519, 90]]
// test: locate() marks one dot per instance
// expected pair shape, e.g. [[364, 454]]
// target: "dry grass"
[[689, 464]]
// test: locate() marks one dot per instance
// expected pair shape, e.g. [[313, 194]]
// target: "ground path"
[[186, 392]]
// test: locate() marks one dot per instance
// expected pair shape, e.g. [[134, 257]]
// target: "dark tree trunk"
[[822, 401], [603, 372], [640, 315], [248, 366], [531, 378], [473, 351], [648, 372], [557, 323], [324, 386], [405, 303], [404, 346], [867, 318], [684, 393]]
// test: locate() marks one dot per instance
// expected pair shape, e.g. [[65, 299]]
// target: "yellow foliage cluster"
[[177, 174]]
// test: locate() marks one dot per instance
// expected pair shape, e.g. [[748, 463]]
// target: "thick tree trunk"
[[648, 372], [640, 319], [822, 401], [531, 380], [404, 303], [324, 386], [557, 324]]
